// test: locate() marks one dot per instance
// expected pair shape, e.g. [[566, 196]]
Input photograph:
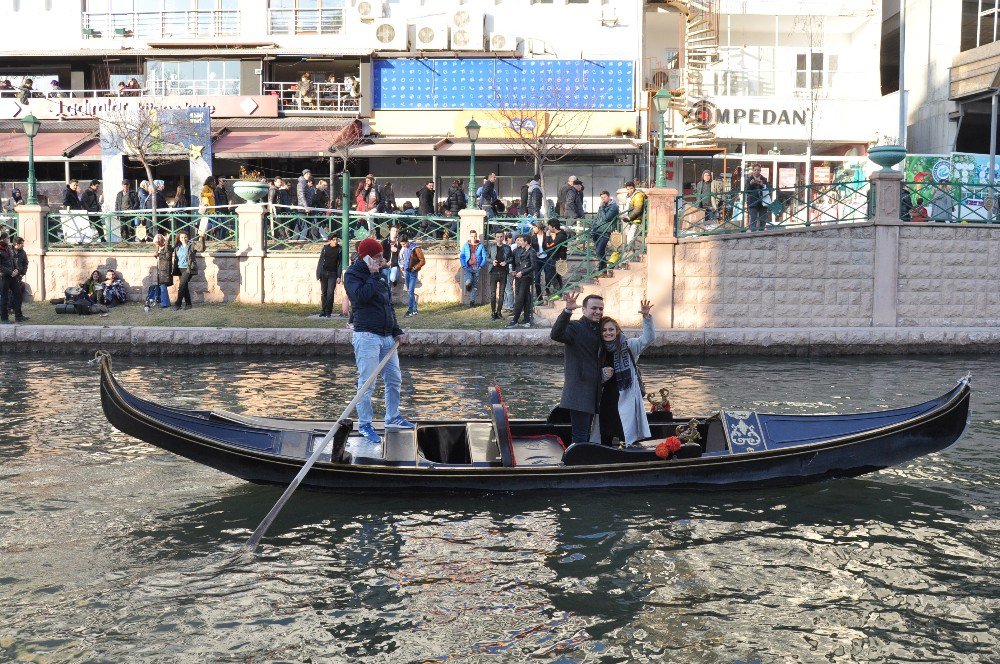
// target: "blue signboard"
[[484, 83]]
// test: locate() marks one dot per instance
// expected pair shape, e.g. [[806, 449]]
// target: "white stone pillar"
[[250, 222], [473, 220], [31, 227], [886, 189], [661, 243]]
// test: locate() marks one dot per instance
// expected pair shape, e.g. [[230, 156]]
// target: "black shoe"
[[20, 319], [513, 323], [189, 306], [472, 304], [177, 307]]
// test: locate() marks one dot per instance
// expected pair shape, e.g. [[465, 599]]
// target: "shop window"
[[306, 17], [987, 22], [210, 78]]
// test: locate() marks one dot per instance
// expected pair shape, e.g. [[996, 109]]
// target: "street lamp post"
[[661, 102], [31, 125], [472, 130]]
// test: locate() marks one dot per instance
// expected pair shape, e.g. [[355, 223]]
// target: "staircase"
[[622, 289], [700, 51]]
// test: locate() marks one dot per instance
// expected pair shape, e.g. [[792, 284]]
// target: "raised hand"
[[570, 298], [644, 307]]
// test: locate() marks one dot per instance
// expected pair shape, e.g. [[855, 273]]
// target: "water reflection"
[[114, 550]]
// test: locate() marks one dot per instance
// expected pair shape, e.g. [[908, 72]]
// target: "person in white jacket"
[[621, 410]]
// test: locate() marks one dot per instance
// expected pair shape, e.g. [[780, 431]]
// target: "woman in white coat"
[[621, 411]]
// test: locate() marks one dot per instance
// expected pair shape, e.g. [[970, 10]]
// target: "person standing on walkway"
[[524, 268], [164, 270], [411, 260], [184, 265], [126, 201], [758, 197], [582, 368], [7, 274], [328, 272], [604, 226], [499, 269], [472, 258], [375, 330], [622, 411], [16, 293]]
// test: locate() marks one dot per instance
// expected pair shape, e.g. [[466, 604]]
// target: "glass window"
[[199, 77], [306, 16]]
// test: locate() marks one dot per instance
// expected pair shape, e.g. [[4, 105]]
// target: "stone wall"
[[949, 275], [811, 278]]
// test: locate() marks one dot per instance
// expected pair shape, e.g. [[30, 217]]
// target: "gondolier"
[[582, 373], [375, 331]]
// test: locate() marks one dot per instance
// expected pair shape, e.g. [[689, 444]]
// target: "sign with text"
[[66, 108]]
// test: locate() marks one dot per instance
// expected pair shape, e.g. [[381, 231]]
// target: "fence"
[[947, 202], [787, 207], [9, 223], [79, 230]]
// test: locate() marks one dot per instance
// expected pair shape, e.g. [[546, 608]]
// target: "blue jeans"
[[164, 296], [601, 248], [411, 289], [369, 349], [472, 274]]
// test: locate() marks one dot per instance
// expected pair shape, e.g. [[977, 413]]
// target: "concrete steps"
[[626, 282]]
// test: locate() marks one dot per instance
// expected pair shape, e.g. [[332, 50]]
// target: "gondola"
[[725, 450]]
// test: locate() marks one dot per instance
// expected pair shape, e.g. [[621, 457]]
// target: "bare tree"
[[816, 80], [543, 136], [147, 136], [341, 142]]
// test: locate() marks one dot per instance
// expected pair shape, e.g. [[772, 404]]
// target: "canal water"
[[112, 550]]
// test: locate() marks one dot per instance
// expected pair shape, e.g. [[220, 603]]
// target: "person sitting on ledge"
[[115, 291]]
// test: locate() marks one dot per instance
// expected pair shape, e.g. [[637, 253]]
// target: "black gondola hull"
[[897, 443]]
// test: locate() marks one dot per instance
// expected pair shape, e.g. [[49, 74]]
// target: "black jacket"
[[525, 261], [90, 200], [551, 244], [456, 200], [194, 248], [221, 195], [488, 194], [371, 301], [127, 200], [501, 254], [6, 260], [582, 363], [329, 261], [71, 200], [574, 204], [425, 198], [20, 262], [321, 199]]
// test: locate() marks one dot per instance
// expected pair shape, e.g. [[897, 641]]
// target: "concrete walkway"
[[85, 339]]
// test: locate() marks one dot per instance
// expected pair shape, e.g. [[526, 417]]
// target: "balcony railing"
[[326, 21], [162, 24], [325, 98]]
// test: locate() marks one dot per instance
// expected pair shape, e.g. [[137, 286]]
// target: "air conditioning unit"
[[467, 30], [503, 42], [369, 10], [537, 47], [390, 35], [430, 36]]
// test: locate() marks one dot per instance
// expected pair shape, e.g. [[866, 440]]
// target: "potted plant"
[[251, 186]]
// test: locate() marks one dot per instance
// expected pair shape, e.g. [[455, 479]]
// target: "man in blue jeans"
[[472, 258], [375, 330]]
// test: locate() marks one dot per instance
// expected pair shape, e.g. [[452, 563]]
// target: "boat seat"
[[482, 443], [399, 445], [496, 396], [545, 450]]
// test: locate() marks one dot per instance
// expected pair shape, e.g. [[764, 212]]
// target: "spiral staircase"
[[700, 51]]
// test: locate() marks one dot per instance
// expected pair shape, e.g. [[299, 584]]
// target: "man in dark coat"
[[524, 266], [375, 330], [7, 275], [126, 201], [582, 372], [91, 201], [425, 198], [71, 196], [328, 272]]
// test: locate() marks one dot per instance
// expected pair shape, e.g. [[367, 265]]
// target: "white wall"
[[932, 41]]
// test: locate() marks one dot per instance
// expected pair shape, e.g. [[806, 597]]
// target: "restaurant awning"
[[282, 142], [50, 146], [460, 148]]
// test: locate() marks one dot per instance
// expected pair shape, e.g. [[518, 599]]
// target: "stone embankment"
[[195, 341]]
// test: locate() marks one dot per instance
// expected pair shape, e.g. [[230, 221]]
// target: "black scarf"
[[621, 361]]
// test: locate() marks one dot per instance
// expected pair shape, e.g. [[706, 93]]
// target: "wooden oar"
[[254, 540]]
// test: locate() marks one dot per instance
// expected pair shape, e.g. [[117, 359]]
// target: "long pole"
[[32, 184], [470, 201], [345, 218], [903, 101], [993, 136], [254, 540], [661, 160]]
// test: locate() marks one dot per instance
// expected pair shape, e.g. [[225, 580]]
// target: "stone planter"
[[887, 156], [249, 191]]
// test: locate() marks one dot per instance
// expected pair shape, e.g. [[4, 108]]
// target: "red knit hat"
[[369, 247]]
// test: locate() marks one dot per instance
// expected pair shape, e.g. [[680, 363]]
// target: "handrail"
[[79, 230], [325, 97], [182, 23], [950, 202]]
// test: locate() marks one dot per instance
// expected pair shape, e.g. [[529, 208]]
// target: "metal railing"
[[195, 23], [786, 207], [9, 223], [951, 202], [324, 21], [329, 97], [79, 230]]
